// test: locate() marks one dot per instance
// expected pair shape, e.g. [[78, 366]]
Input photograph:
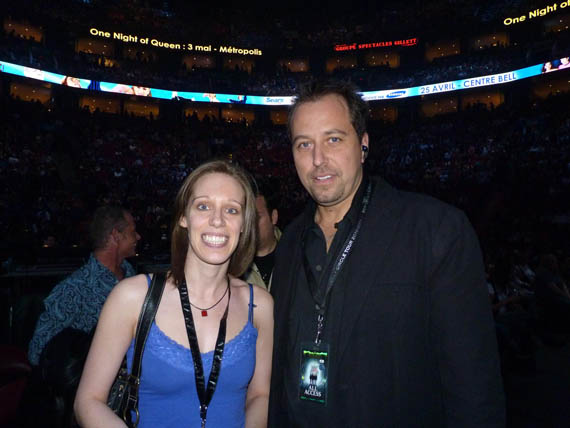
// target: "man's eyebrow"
[[336, 131], [298, 137], [328, 132]]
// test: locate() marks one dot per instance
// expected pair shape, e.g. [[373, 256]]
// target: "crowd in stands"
[[509, 169]]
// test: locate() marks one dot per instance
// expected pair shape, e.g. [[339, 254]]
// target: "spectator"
[[77, 300], [261, 270]]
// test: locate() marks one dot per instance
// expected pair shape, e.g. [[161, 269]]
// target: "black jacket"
[[415, 344]]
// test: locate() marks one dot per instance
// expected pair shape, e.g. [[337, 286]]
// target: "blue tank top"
[[167, 392]]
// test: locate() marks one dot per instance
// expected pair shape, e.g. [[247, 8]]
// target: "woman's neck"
[[205, 281]]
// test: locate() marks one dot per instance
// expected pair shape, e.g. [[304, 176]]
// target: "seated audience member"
[[261, 270], [77, 300]]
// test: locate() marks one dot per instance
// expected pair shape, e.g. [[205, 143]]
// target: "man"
[[77, 300], [261, 270], [379, 294]]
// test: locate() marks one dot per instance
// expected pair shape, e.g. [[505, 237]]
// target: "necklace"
[[205, 393], [204, 311]]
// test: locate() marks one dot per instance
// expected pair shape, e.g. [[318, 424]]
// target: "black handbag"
[[124, 394]]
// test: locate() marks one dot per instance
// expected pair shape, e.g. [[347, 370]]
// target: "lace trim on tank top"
[[175, 354], [167, 349]]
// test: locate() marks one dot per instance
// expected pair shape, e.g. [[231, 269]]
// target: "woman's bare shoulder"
[[263, 313], [261, 296], [130, 290]]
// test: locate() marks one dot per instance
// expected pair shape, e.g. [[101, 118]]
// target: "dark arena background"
[[116, 101]]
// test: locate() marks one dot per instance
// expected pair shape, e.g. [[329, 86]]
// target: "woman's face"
[[141, 90], [214, 218], [73, 82]]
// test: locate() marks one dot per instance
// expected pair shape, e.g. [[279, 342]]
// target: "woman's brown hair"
[[245, 250]]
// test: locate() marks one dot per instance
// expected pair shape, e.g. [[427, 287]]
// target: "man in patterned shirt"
[[77, 300]]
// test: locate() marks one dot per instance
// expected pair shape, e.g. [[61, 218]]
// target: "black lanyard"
[[204, 394], [321, 304]]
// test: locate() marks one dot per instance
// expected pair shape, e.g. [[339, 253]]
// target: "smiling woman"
[[217, 173], [214, 218], [208, 348]]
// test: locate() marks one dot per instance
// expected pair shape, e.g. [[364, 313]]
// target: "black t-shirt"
[[265, 265], [303, 328]]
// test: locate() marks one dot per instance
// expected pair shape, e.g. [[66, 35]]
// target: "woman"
[[143, 91], [213, 242], [73, 82], [547, 67]]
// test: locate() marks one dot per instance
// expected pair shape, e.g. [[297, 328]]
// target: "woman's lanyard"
[[338, 264], [204, 394]]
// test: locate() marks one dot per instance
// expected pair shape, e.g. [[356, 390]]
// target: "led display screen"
[[435, 88]]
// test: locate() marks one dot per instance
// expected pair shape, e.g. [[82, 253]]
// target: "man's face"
[[265, 221], [128, 238], [327, 152]]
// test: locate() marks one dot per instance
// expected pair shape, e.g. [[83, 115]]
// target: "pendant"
[[204, 313]]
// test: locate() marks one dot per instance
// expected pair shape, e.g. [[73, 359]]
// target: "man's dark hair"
[[266, 189], [105, 219], [315, 90]]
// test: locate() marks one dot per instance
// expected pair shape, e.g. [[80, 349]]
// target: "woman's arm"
[[257, 401], [114, 333]]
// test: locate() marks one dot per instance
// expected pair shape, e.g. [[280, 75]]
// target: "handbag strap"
[[146, 317]]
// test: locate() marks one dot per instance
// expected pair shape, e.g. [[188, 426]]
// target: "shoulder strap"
[[251, 305], [146, 317]]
